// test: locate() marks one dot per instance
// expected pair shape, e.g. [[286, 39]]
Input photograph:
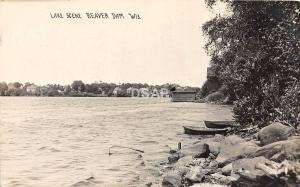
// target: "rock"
[[214, 147], [203, 162], [274, 132], [213, 143], [184, 161], [197, 174], [182, 170], [199, 150], [245, 172], [207, 185], [213, 164], [247, 165], [172, 179], [226, 170], [173, 158], [233, 148], [222, 179], [261, 172], [281, 150]]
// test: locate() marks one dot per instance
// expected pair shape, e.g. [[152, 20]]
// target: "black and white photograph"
[[148, 93]]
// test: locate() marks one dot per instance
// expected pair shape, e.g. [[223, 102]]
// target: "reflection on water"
[[65, 141]]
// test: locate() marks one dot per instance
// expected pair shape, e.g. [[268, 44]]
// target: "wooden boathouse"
[[183, 96]]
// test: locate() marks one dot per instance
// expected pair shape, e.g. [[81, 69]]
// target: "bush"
[[289, 109], [215, 97], [270, 106]]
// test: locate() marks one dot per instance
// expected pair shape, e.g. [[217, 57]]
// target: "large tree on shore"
[[256, 52], [3, 88], [78, 85]]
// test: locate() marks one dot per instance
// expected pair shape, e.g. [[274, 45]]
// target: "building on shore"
[[117, 91], [32, 89], [183, 96]]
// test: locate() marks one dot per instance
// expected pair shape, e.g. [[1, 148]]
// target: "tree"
[[67, 90], [108, 88], [52, 92], [93, 88], [256, 54], [17, 85], [78, 85], [3, 88]]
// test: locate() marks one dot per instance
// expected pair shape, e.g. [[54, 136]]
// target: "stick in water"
[[109, 153]]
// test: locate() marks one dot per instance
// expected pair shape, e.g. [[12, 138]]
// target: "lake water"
[[64, 141]]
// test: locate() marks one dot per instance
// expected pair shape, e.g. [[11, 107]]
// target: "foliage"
[[17, 85], [204, 90], [78, 86], [215, 97], [289, 109], [211, 85], [256, 53], [3, 88], [93, 88], [52, 92]]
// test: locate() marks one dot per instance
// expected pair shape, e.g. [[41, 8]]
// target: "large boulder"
[[199, 150], [274, 132], [247, 166], [233, 148], [226, 170], [214, 147], [247, 175], [197, 174], [184, 161], [183, 165], [172, 179], [214, 143], [281, 150], [261, 172]]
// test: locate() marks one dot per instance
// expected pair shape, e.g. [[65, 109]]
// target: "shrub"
[[215, 97], [289, 110]]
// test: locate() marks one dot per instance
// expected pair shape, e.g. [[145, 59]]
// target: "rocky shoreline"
[[269, 157]]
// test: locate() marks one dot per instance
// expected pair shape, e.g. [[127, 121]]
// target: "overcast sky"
[[165, 46]]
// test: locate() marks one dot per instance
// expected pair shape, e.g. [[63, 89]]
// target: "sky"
[[164, 46]]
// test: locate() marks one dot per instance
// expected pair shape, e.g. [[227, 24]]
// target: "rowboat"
[[203, 131], [219, 124]]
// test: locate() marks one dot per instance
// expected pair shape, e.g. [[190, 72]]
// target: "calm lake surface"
[[64, 141]]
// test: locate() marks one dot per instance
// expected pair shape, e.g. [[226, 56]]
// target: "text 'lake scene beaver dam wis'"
[[143, 93]]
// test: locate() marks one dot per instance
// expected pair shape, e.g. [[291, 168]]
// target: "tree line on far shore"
[[80, 89]]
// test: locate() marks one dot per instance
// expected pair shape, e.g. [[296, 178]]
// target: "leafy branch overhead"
[[256, 52]]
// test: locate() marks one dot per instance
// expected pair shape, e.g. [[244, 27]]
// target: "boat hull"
[[219, 124], [203, 131]]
